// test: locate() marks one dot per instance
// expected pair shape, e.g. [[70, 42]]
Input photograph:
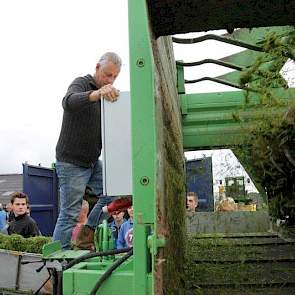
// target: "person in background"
[[192, 201], [125, 236], [29, 209], [115, 225], [22, 224], [9, 212], [79, 147], [2, 218]]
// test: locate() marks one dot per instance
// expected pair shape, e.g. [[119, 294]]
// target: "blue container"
[[199, 179], [40, 184]]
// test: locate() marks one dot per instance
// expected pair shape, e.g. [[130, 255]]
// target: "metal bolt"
[[144, 180], [140, 62]]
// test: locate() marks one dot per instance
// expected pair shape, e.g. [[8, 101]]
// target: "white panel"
[[116, 141]]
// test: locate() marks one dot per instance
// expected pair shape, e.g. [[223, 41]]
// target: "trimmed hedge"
[[18, 243]]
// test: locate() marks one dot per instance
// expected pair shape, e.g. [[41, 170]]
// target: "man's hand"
[[109, 92]]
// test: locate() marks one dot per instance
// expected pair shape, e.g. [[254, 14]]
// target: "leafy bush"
[[18, 243]]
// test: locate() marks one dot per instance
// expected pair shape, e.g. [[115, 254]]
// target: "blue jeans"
[[72, 183], [96, 213]]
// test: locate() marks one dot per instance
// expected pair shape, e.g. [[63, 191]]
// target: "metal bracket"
[[210, 60], [154, 243], [216, 80], [217, 38], [180, 77], [53, 251], [183, 101]]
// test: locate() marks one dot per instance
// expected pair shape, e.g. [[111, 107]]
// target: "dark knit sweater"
[[79, 142], [23, 225]]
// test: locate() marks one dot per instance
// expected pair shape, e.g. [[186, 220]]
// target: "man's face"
[[191, 203], [19, 206], [118, 217], [106, 74]]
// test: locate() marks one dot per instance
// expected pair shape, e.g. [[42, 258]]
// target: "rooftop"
[[9, 183]]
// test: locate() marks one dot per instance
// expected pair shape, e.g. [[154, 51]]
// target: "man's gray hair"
[[110, 56]]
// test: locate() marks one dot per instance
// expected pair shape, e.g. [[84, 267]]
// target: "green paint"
[[223, 119], [261, 79], [144, 149], [82, 278], [245, 58], [103, 238], [208, 122], [180, 79]]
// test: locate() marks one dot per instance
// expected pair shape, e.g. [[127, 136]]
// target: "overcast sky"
[[44, 46]]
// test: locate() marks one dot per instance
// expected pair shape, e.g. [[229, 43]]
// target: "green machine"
[[73, 270], [207, 122], [235, 188]]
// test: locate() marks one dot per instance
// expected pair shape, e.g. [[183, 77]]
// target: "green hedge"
[[18, 243]]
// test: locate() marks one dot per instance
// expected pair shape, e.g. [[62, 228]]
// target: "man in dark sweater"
[[22, 224], [79, 144]]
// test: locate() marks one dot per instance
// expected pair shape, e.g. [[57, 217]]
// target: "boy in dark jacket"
[[22, 224]]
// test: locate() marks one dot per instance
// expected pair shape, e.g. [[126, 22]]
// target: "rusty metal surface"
[[170, 17]]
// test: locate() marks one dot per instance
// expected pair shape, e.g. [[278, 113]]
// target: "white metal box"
[[116, 142]]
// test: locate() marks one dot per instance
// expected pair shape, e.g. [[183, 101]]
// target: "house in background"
[[9, 183]]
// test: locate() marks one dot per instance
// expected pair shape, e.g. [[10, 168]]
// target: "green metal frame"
[[144, 145], [246, 58], [103, 237], [135, 276], [221, 119], [80, 279], [207, 122]]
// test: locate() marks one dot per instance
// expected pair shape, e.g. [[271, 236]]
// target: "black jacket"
[[23, 225]]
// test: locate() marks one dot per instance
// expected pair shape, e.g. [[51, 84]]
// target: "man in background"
[[192, 202], [22, 224]]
